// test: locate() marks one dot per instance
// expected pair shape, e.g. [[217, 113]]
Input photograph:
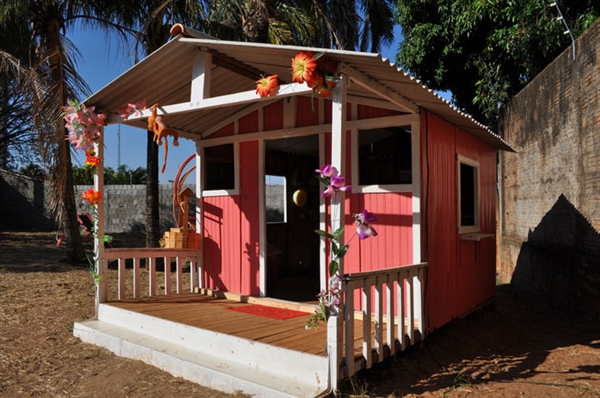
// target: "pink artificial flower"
[[138, 107], [363, 224], [327, 171], [124, 111], [336, 184]]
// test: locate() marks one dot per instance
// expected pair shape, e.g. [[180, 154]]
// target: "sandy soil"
[[521, 348]]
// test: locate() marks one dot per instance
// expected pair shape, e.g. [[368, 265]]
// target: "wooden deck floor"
[[212, 313]]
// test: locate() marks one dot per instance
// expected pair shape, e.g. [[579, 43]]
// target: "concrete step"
[[223, 362]]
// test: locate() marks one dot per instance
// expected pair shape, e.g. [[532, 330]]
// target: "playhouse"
[[425, 169]]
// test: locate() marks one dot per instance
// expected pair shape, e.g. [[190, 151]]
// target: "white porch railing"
[[132, 286], [392, 306]]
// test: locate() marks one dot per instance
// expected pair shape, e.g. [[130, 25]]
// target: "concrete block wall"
[[24, 205], [549, 204], [24, 201]]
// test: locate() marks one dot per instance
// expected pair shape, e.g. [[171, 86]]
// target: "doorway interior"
[[292, 215]]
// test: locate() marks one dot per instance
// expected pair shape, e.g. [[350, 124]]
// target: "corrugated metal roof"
[[165, 77]]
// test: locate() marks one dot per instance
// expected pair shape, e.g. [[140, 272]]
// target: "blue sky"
[[101, 62]]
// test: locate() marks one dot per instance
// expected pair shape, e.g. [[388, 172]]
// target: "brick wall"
[[549, 208]]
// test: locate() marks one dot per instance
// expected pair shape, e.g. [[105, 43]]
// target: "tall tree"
[[353, 25], [49, 79], [17, 140], [151, 20], [52, 79], [484, 52]]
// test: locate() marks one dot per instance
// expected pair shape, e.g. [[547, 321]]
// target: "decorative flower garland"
[[330, 299], [307, 67], [84, 126]]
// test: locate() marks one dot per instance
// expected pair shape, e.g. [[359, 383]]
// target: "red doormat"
[[269, 312]]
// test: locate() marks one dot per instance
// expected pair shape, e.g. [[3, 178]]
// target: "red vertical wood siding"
[[461, 273], [224, 132], [272, 116], [231, 252], [368, 112]]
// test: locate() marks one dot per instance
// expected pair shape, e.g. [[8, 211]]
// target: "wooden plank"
[[400, 305], [151, 277], [366, 311], [379, 318], [389, 311], [179, 277], [168, 289], [136, 277], [121, 282], [349, 326], [410, 309]]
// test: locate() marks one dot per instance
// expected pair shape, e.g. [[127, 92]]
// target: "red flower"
[[92, 161], [92, 196], [304, 66], [321, 88], [267, 86]]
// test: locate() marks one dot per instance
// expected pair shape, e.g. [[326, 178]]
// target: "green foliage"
[[33, 170], [484, 52], [122, 176]]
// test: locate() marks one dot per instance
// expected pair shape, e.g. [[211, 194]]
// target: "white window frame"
[[468, 229], [236, 173], [415, 156]]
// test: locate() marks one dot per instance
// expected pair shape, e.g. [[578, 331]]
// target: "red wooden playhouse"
[[426, 170]]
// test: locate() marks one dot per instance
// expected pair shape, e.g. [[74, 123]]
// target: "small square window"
[[219, 168], [384, 156], [468, 195]]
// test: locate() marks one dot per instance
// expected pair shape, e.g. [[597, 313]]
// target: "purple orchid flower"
[[363, 224], [336, 184], [327, 171]]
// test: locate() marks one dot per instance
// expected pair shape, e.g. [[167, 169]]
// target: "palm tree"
[[365, 25], [50, 79], [151, 21]]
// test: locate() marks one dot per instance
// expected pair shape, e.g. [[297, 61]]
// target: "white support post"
[[198, 263], [102, 286], [201, 77], [262, 228], [338, 154]]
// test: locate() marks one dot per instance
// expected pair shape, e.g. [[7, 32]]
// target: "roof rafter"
[[366, 82]]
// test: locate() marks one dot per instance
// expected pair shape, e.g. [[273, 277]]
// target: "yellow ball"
[[299, 198]]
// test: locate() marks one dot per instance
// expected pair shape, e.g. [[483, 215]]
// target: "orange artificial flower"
[[92, 161], [267, 86], [304, 67], [92, 196], [321, 87]]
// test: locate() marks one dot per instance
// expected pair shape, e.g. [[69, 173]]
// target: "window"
[[275, 196], [219, 168], [385, 156], [468, 195]]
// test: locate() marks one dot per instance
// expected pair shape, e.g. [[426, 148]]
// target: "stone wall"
[[549, 210], [24, 205]]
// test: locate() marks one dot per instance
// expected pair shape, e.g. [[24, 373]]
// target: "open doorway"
[[292, 216]]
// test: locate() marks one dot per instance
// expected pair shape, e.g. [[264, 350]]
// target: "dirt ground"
[[521, 348]]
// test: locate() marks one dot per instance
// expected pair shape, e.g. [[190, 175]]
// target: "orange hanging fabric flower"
[[92, 196], [304, 67], [92, 161], [267, 86]]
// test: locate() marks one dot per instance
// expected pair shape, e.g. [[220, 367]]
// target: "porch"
[[155, 310]]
